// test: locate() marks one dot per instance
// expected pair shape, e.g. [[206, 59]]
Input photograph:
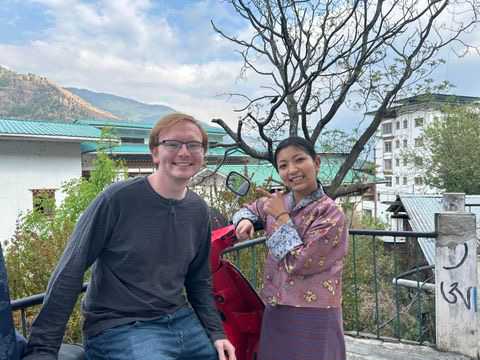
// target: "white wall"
[[25, 165]]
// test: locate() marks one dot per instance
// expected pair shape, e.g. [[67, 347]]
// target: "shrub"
[[40, 238]]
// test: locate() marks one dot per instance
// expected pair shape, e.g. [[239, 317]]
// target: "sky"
[[155, 51]]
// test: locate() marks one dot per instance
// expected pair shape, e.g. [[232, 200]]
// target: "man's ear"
[[154, 154]]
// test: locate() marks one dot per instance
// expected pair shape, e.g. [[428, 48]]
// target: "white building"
[[401, 130], [36, 158]]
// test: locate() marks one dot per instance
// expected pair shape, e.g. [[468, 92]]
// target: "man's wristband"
[[282, 213]]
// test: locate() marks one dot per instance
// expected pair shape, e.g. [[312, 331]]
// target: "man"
[[149, 240]]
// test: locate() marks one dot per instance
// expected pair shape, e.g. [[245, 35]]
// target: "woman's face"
[[298, 171]]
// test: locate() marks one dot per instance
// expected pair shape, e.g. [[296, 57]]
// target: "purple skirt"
[[291, 333]]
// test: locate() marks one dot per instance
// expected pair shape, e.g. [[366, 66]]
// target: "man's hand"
[[224, 346]]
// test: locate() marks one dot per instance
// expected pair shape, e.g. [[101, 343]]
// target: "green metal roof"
[[145, 150], [220, 151], [125, 149], [11, 128], [137, 125], [118, 124], [262, 173], [257, 173]]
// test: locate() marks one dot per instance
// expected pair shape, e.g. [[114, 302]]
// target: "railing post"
[[456, 278]]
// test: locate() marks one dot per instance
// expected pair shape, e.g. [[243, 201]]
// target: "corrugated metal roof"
[[47, 129], [134, 149], [140, 125], [421, 211], [220, 151], [261, 173], [257, 173], [119, 123], [143, 149]]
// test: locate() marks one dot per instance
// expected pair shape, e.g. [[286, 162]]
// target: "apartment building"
[[401, 131]]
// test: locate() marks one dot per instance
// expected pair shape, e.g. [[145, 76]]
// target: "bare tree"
[[317, 56]]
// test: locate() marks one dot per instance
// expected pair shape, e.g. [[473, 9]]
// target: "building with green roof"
[[47, 131], [36, 157], [132, 146]]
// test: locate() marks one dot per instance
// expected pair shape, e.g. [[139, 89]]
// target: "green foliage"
[[41, 236], [371, 302], [452, 142]]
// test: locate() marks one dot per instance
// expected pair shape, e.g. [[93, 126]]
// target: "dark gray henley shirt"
[[145, 251]]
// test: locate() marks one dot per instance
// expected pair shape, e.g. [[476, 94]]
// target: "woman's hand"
[[244, 230], [273, 204]]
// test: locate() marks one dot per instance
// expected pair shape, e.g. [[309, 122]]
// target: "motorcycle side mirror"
[[237, 183]]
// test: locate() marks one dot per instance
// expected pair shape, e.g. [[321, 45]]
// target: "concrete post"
[[456, 278]]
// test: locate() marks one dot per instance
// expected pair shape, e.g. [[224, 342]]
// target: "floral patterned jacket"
[[305, 259]]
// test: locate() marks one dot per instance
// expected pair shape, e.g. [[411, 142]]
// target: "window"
[[418, 161], [404, 161], [387, 128], [397, 162], [418, 142], [387, 165], [387, 146], [397, 180], [388, 181], [43, 200], [418, 122], [405, 143], [397, 125], [397, 144], [404, 180], [418, 181], [405, 124]]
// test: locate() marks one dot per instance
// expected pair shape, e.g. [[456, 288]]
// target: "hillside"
[[124, 108], [36, 98]]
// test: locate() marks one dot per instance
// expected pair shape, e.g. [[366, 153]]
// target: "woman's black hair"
[[298, 142]]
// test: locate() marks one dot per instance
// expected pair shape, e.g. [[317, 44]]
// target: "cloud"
[[154, 51], [133, 49]]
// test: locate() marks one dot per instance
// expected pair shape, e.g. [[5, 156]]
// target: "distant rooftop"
[[443, 98], [138, 125], [261, 173], [429, 99], [47, 130], [421, 211], [143, 149]]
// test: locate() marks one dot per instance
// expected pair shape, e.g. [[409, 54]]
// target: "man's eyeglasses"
[[175, 145]]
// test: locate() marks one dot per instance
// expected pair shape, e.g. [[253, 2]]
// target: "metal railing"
[[27, 302], [388, 290], [388, 309], [386, 286]]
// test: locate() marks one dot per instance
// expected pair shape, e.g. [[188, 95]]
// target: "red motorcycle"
[[239, 305], [237, 301]]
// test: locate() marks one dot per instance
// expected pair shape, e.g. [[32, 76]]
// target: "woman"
[[307, 241]]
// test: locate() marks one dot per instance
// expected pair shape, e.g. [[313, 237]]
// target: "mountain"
[[31, 97], [124, 108]]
